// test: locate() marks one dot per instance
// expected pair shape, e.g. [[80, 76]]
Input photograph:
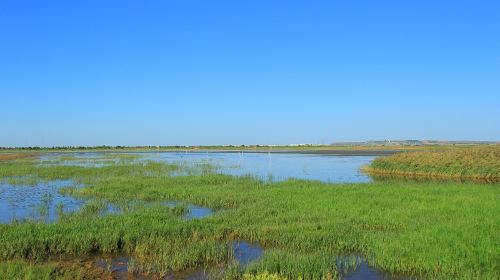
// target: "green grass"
[[473, 163], [434, 230], [24, 270], [20, 269]]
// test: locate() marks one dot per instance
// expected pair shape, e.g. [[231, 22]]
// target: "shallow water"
[[39, 202], [275, 166], [194, 211], [354, 267], [326, 168], [244, 253], [42, 202], [77, 159], [351, 267]]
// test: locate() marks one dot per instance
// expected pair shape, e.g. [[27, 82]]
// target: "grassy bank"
[[433, 230], [473, 163]]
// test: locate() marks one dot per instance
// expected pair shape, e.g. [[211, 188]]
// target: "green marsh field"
[[164, 220]]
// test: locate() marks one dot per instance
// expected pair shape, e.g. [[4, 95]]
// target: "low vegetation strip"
[[474, 163], [5, 157]]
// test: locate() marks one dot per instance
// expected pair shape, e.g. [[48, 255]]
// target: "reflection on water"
[[275, 166], [120, 266], [246, 253], [326, 168], [120, 269], [40, 202], [92, 159], [194, 211], [354, 267]]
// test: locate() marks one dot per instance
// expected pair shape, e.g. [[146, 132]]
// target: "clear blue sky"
[[242, 72]]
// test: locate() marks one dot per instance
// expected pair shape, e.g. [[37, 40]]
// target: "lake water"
[[43, 202], [40, 202], [278, 166], [275, 166]]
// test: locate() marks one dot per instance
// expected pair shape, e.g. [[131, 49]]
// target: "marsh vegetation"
[[256, 228], [473, 163]]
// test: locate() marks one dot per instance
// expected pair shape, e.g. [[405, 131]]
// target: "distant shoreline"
[[311, 152], [326, 152]]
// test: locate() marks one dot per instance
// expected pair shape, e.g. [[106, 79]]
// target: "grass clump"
[[25, 270], [289, 265], [473, 163], [263, 276]]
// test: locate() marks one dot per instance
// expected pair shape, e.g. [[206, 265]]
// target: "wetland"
[[184, 215]]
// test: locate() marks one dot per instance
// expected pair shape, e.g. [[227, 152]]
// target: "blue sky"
[[247, 72]]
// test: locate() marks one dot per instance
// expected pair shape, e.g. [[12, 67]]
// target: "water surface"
[[277, 166], [39, 202], [355, 267], [194, 211], [244, 253]]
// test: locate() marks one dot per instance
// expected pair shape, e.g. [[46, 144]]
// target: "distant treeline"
[[105, 147], [347, 145]]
